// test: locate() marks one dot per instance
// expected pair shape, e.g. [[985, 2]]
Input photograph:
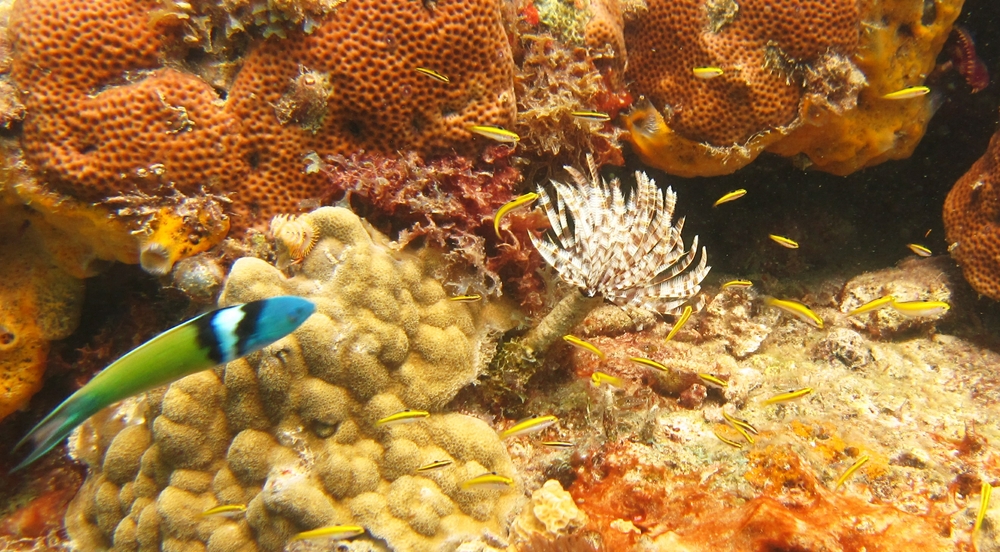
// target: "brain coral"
[[107, 114], [794, 80], [971, 214], [290, 431]]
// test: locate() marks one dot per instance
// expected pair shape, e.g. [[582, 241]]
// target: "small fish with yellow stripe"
[[488, 481], [595, 116], [433, 74], [434, 466], [737, 284], [796, 309], [712, 381], [731, 196], [583, 344], [791, 395], [707, 72], [598, 378], [873, 305], [225, 510], [919, 249], [495, 133], [907, 93], [649, 362], [403, 417], [510, 206], [920, 308], [529, 425], [471, 298], [854, 467], [330, 532], [680, 322], [783, 241]]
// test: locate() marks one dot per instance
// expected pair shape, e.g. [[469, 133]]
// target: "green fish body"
[[214, 338]]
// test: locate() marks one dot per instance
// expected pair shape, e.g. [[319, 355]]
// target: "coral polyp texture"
[[291, 432], [117, 101], [797, 78], [971, 214]]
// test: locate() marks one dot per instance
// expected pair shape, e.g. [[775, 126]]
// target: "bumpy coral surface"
[[971, 212], [290, 431], [797, 78], [106, 118]]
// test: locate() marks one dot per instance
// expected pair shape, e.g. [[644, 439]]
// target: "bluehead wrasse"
[[649, 362], [854, 467], [744, 433], [225, 510], [782, 397], [712, 380], [591, 116], [731, 196], [984, 503], [680, 322], [736, 422], [737, 283], [331, 532], [494, 133], [435, 465], [489, 480], [597, 378], [920, 308], [214, 338], [907, 93], [466, 298], [796, 309], [784, 242], [585, 345], [919, 249], [728, 441], [403, 417], [433, 74], [707, 72], [516, 203], [529, 425], [872, 305], [558, 444]]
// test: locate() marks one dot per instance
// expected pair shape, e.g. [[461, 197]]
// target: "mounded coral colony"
[[290, 431]]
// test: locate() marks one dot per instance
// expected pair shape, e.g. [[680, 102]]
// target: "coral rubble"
[[291, 432]]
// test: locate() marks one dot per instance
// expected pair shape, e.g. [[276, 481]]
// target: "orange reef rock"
[[798, 78], [971, 212]]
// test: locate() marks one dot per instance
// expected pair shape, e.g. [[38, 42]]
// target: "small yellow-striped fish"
[[920, 308], [585, 345], [796, 309], [731, 196], [712, 381], [737, 284], [507, 208], [733, 420], [649, 362], [225, 510], [597, 378], [919, 249], [907, 93], [494, 133], [728, 441], [789, 396], [488, 480], [435, 465], [404, 417], [707, 72], [680, 322], [558, 444], [529, 425], [854, 467], [433, 74], [783, 241], [466, 298], [332, 532], [873, 305], [591, 116], [984, 504]]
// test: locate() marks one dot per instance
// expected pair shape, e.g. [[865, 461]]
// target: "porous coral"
[[971, 211], [101, 126], [799, 78], [291, 432]]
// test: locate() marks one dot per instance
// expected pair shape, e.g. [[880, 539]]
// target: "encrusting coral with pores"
[[291, 432]]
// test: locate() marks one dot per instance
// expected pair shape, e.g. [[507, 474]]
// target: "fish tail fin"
[[52, 430]]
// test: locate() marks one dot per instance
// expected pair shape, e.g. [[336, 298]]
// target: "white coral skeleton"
[[625, 251]]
